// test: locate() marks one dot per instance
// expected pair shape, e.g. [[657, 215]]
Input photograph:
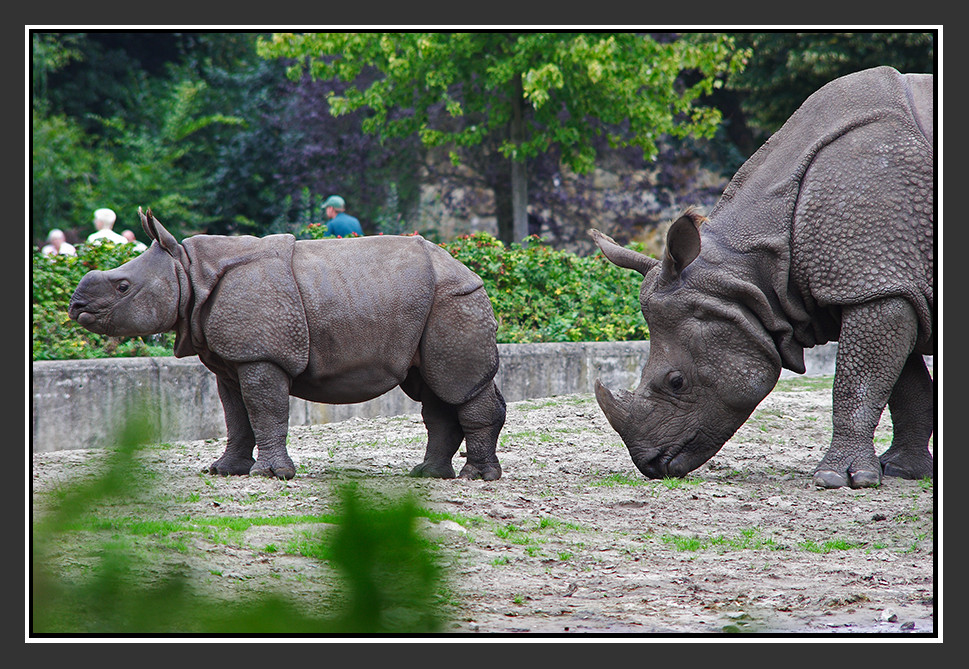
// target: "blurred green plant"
[[388, 578]]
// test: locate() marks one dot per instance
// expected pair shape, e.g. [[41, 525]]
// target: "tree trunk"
[[519, 175]]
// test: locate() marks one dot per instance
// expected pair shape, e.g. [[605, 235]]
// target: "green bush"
[[539, 295], [543, 295], [54, 336]]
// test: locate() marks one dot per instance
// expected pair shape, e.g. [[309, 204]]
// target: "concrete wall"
[[76, 403]]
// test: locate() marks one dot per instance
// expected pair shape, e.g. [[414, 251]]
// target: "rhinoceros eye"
[[676, 380], [123, 287]]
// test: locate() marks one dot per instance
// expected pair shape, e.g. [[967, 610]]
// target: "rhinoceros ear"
[[155, 230], [682, 243]]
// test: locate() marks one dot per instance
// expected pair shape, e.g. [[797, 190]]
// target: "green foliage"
[[61, 167], [389, 581], [786, 67], [54, 336], [540, 294], [628, 81], [543, 295], [149, 146]]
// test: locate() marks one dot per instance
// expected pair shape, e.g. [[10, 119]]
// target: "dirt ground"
[[572, 539]]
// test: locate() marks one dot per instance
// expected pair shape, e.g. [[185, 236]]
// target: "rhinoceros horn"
[[615, 407], [621, 256]]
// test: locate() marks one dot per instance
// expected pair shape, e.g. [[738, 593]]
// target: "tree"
[[107, 133], [524, 94], [786, 67]]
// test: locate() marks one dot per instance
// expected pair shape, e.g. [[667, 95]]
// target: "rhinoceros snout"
[[76, 311], [79, 308]]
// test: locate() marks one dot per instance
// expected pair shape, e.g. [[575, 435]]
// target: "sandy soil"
[[572, 539]]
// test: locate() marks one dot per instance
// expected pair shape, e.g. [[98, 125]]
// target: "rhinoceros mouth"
[[83, 315], [675, 461], [86, 318]]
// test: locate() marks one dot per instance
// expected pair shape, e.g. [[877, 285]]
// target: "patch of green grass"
[[623, 478], [568, 400], [309, 544], [747, 539], [620, 478], [532, 534], [672, 483], [804, 383], [828, 546], [685, 543]]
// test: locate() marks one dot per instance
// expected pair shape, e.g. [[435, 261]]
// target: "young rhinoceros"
[[336, 321], [826, 233]]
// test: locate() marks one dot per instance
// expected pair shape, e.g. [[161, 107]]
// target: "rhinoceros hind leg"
[[912, 406], [444, 433], [482, 419]]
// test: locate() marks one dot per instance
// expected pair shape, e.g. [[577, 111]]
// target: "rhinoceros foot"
[[826, 478], [487, 472], [906, 465], [280, 467], [231, 466], [433, 469]]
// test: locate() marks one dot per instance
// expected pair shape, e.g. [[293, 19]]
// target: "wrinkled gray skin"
[[334, 321], [826, 233]]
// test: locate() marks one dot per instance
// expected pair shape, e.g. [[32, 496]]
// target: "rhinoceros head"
[[140, 297], [707, 369]]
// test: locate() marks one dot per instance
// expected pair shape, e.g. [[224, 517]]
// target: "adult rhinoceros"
[[826, 233]]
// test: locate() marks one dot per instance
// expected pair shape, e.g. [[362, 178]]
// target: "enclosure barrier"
[[81, 403]]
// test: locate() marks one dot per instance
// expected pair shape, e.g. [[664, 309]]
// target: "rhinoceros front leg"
[[875, 341], [237, 458], [912, 406], [265, 391]]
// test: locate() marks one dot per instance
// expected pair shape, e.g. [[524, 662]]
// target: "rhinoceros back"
[[843, 192]]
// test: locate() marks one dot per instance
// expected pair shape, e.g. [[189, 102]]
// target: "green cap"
[[335, 201]]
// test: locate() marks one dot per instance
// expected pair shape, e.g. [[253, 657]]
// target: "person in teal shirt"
[[341, 223]]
